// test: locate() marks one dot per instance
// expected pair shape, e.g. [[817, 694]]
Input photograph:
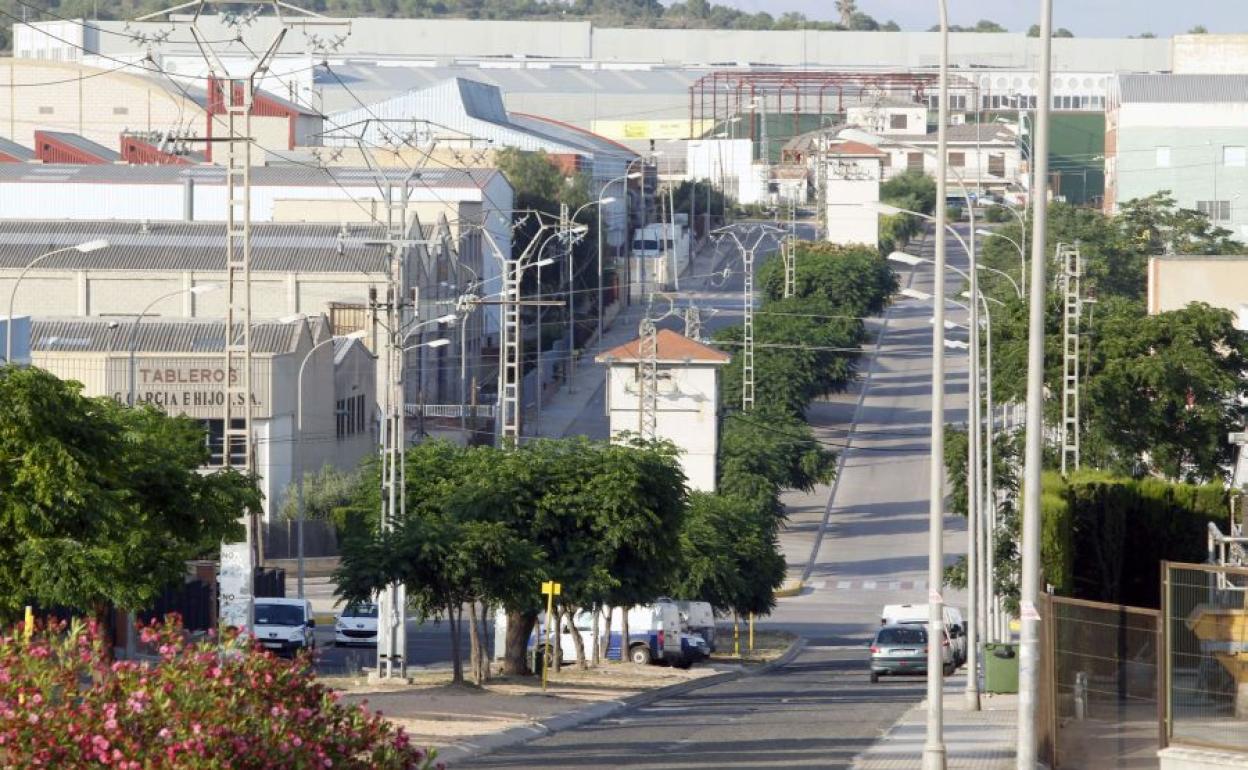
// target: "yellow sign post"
[[550, 589], [751, 633], [28, 628]]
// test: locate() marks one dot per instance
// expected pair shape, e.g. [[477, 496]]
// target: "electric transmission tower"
[[235, 95], [752, 235], [1072, 305]]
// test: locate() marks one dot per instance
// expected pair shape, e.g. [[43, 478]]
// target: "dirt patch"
[[768, 646]]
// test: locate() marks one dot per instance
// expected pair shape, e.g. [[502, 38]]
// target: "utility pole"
[[693, 322], [392, 606], [754, 234], [1029, 647], [788, 253], [934, 741], [1072, 306], [647, 379], [233, 95]]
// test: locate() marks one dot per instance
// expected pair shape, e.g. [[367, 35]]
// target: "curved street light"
[[83, 248]]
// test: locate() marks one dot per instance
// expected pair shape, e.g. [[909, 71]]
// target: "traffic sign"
[[551, 588]]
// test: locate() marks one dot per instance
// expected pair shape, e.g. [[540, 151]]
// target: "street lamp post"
[[84, 248], [1029, 647], [601, 201], [298, 454], [1022, 259], [934, 744], [568, 251]]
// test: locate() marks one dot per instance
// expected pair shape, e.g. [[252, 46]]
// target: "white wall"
[[687, 414], [853, 182]]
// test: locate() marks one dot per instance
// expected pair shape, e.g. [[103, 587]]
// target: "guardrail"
[[450, 410]]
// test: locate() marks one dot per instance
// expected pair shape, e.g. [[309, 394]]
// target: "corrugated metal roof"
[[966, 132], [1182, 89], [179, 246], [15, 150], [80, 143], [277, 175], [94, 335]]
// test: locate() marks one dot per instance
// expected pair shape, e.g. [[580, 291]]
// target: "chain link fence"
[[1099, 700], [1205, 609]]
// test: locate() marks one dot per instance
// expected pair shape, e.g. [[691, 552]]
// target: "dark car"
[[898, 650]]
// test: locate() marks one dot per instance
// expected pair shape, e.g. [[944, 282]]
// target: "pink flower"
[[164, 733], [297, 741]]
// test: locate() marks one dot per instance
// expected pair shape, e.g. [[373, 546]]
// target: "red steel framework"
[[731, 91]]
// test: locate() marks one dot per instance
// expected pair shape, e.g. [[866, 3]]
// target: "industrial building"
[[1183, 134], [169, 270], [177, 365]]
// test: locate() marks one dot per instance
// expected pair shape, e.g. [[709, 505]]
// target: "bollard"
[[1081, 695]]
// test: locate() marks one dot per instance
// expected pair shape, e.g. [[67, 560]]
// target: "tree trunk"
[[578, 644], [457, 658], [485, 642], [556, 625], [519, 627], [596, 637], [474, 644], [606, 637], [623, 634]]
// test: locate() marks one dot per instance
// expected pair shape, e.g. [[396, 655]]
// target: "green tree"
[[765, 451], [730, 555], [325, 492], [850, 281], [1165, 389], [102, 505], [846, 9], [1199, 29]]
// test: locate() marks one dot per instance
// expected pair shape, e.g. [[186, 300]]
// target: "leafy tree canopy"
[[101, 504]]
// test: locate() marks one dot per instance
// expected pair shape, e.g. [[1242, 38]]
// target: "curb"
[[516, 736], [790, 588]]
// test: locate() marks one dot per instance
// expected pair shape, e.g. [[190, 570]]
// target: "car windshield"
[[360, 611], [901, 636], [278, 615]]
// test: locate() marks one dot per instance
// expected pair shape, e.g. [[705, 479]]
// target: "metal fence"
[[1205, 611], [1099, 701]]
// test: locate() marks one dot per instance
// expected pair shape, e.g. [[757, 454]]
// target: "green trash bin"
[[1001, 668]]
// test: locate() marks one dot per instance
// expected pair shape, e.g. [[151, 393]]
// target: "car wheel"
[[875, 677], [640, 655]]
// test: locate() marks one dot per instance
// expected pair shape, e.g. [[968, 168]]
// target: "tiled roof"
[[180, 246], [673, 348], [853, 148], [103, 335], [1182, 89]]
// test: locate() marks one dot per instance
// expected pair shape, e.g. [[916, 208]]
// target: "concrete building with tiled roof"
[[686, 402]]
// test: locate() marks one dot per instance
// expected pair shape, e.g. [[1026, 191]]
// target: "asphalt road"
[[868, 536]]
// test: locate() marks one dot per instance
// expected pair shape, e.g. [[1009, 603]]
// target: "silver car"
[[902, 649]]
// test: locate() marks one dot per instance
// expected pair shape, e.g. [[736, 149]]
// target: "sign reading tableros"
[[191, 386]]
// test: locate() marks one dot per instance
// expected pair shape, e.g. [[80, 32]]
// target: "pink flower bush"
[[204, 706]]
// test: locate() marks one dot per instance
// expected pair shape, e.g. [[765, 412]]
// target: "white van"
[[698, 618], [916, 614], [284, 626]]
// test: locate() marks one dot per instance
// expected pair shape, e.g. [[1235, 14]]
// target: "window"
[[897, 121], [1234, 156], [914, 161], [347, 317], [957, 101], [215, 439], [349, 416], [1218, 211], [957, 159], [45, 110], [121, 110], [1163, 157], [996, 165]]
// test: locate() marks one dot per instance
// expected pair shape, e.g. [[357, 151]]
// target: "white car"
[[284, 625], [356, 625]]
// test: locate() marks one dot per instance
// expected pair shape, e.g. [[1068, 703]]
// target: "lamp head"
[[90, 246], [915, 294], [438, 343], [606, 200], [634, 175], [204, 288], [905, 259]]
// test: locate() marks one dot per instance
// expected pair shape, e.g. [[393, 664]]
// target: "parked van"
[[916, 614], [654, 632], [284, 625], [698, 618]]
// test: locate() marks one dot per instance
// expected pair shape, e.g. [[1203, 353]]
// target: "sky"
[[1085, 18]]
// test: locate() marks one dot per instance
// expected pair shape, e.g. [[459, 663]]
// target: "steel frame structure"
[[1071, 266], [723, 94]]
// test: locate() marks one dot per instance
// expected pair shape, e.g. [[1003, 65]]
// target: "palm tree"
[[847, 9]]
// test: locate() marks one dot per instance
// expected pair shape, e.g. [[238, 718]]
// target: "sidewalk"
[[974, 740], [580, 410]]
